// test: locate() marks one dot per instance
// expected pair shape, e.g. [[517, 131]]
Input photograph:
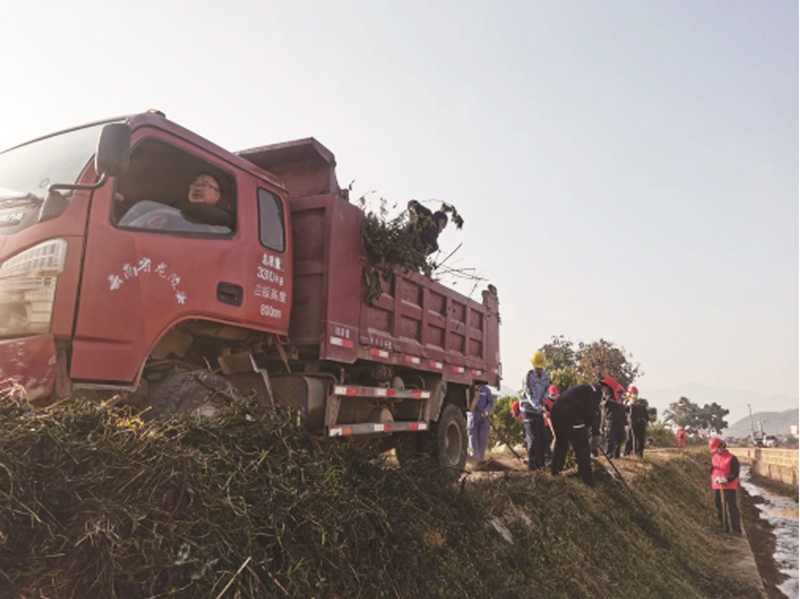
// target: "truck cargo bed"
[[416, 323]]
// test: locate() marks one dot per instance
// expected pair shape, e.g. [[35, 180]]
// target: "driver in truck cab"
[[200, 207]]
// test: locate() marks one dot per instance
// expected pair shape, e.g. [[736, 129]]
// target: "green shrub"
[[663, 436], [503, 421]]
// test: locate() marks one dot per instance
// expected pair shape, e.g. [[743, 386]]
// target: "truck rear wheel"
[[445, 444], [449, 439]]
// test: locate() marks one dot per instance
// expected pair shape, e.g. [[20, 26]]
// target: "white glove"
[[721, 480]]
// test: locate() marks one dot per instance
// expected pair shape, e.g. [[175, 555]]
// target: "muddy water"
[[782, 514]]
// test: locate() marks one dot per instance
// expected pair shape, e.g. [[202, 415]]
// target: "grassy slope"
[[597, 543], [96, 505]]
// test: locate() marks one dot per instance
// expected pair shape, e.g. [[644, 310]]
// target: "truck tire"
[[449, 440], [197, 391]]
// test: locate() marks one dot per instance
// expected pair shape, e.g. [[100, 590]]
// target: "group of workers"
[[572, 418], [626, 421], [575, 418]]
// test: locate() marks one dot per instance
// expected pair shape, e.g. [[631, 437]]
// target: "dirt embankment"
[[94, 503]]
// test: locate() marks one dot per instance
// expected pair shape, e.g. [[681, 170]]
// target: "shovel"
[[725, 526]]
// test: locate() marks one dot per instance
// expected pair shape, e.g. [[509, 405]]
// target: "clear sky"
[[626, 170]]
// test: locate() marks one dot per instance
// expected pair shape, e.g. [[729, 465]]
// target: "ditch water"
[[782, 514]]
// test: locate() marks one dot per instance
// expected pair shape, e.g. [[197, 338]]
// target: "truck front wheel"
[[198, 391]]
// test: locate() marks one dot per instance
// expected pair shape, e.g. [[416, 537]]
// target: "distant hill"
[[735, 400], [503, 391], [775, 423]]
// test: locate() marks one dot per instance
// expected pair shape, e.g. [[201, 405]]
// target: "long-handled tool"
[[725, 526], [501, 437], [619, 474]]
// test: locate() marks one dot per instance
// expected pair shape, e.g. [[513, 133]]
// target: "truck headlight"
[[28, 288]]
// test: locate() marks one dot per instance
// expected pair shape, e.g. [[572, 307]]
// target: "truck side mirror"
[[113, 150]]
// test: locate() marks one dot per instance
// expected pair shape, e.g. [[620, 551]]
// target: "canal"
[[778, 515]]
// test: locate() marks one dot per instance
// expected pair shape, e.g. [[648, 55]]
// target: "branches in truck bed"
[[396, 242]]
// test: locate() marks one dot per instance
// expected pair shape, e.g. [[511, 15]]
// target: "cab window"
[[270, 216], [169, 190]]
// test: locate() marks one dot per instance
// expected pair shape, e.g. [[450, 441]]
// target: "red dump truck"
[[108, 288]]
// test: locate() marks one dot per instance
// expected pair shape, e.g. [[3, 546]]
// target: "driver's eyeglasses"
[[202, 184]]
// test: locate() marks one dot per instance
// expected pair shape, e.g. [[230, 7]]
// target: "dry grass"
[[95, 503]]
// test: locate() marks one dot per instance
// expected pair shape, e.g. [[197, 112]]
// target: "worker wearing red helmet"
[[551, 397], [515, 410], [724, 469], [576, 412]]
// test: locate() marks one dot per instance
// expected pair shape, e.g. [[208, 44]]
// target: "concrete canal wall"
[[780, 465]]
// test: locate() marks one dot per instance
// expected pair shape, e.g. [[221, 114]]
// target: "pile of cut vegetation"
[[97, 503]]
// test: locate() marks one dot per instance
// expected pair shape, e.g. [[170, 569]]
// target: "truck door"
[[269, 292], [158, 252]]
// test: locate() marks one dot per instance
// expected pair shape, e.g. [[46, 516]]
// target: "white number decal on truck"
[[266, 274], [270, 311]]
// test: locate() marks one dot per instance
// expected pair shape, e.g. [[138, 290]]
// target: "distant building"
[[793, 430]]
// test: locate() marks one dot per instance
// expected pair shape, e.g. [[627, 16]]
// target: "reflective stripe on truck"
[[354, 391], [376, 427]]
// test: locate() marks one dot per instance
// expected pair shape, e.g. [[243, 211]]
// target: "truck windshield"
[[27, 170]]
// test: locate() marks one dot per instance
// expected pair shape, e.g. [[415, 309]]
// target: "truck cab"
[[100, 276]]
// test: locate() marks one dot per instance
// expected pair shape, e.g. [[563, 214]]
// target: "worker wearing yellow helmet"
[[534, 389]]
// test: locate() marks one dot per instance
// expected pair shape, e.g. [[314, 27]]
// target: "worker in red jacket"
[[576, 412], [724, 469], [551, 397], [680, 434]]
